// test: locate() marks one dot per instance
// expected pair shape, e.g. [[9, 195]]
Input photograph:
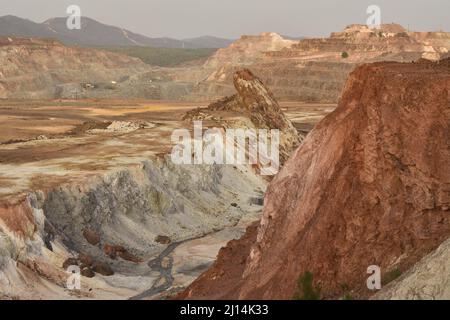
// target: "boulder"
[[70, 262], [255, 102], [91, 236], [163, 239], [102, 268]]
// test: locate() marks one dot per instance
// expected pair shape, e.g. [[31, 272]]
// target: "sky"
[[233, 18]]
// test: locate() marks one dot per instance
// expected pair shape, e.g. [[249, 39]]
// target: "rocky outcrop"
[[46, 69], [362, 44], [114, 251], [248, 49], [428, 279], [33, 68], [369, 186], [91, 237], [315, 69], [253, 102], [111, 224]]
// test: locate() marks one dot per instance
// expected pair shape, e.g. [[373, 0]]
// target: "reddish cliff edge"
[[370, 185]]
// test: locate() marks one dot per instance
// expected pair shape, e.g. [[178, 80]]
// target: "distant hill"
[[94, 33], [15, 27], [209, 42], [165, 57]]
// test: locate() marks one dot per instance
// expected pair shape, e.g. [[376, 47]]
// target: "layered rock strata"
[[369, 186]]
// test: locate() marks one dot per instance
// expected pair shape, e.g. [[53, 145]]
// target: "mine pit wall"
[[310, 81], [128, 207]]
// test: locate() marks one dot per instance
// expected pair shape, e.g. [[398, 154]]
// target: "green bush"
[[346, 292], [347, 296], [344, 55], [306, 289]]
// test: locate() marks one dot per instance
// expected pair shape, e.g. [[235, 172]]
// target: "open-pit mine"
[[92, 205], [91, 184]]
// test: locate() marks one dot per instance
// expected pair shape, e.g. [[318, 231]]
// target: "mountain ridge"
[[95, 33]]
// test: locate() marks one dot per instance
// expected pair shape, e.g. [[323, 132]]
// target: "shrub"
[[344, 55], [346, 292], [306, 289], [347, 296], [391, 276]]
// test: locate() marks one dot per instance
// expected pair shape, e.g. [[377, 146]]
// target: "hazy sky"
[[232, 18]]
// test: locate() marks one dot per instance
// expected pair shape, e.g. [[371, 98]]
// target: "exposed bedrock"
[[33, 68], [426, 280], [252, 107], [117, 221], [136, 207], [370, 185], [315, 69]]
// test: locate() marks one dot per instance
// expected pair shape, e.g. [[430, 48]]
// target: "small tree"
[[344, 55], [306, 289]]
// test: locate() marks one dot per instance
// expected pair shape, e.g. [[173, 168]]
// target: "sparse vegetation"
[[344, 55], [347, 296], [163, 57], [391, 276], [306, 289], [346, 292]]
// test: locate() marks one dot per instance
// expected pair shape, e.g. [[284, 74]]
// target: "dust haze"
[[230, 19]]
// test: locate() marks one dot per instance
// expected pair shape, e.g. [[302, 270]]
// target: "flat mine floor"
[[47, 143]]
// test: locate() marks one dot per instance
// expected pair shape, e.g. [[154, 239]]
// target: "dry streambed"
[[112, 227], [111, 202]]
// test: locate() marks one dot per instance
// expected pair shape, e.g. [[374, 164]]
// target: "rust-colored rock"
[[87, 272], [163, 239], [369, 186], [114, 251], [70, 262], [18, 218], [125, 255], [85, 259], [102, 268], [110, 251], [91, 236]]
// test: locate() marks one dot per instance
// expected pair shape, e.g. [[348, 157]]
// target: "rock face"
[[248, 49], [369, 186], [112, 222], [32, 68], [46, 69], [255, 102], [315, 69], [428, 280], [91, 237]]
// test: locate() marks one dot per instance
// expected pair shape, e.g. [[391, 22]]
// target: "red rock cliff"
[[369, 186]]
